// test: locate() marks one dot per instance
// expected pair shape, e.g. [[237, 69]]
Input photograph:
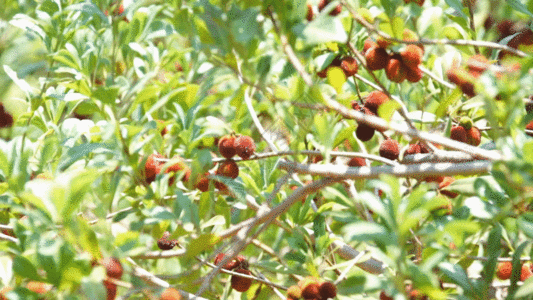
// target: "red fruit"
[[505, 28], [323, 3], [323, 73], [226, 146], [458, 133], [384, 296], [504, 270], [357, 162], [529, 126], [111, 290], [369, 43], [473, 136], [463, 79], [413, 74], [349, 66], [245, 146], [389, 149], [412, 149], [228, 168], [202, 183], [164, 243], [446, 181], [525, 272], [241, 284], [412, 56], [383, 43], [364, 132], [113, 267], [310, 14], [6, 120], [327, 290], [477, 64], [170, 294], [395, 69], [417, 295], [152, 167], [38, 287], [374, 100], [177, 168], [376, 58], [311, 291]]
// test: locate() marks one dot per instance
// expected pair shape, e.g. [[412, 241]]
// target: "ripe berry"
[[323, 3], [446, 181], [364, 132], [357, 162], [383, 43], [152, 167], [311, 291], [239, 283], [170, 294], [374, 100], [417, 295], [504, 270], [164, 243], [395, 69], [113, 267], [327, 290], [226, 146], [294, 292], [412, 149], [310, 14], [463, 79], [111, 290], [228, 168], [413, 74], [458, 133], [6, 120], [349, 66], [369, 43], [376, 58], [525, 272], [202, 183], [505, 28], [177, 168], [412, 56], [473, 136], [245, 146], [389, 149]]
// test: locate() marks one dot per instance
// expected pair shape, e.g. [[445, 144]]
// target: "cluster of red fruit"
[[114, 270], [466, 132], [240, 265], [6, 120], [166, 244], [505, 269], [465, 77], [312, 288], [398, 66], [524, 35], [155, 163]]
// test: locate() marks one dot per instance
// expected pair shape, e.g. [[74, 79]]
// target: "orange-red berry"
[[395, 69], [164, 243], [374, 100], [444, 183], [376, 58], [152, 167], [228, 168], [369, 43], [504, 270], [390, 149], [412, 56], [413, 74], [323, 3], [202, 183], [473, 136], [245, 146], [349, 66], [327, 290], [170, 294], [310, 14], [357, 162], [525, 272], [6, 120], [458, 133], [113, 267], [226, 146]]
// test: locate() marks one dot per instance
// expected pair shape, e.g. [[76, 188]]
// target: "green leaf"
[[525, 223], [456, 274], [79, 185], [21, 83], [449, 100], [65, 57], [366, 231], [398, 24], [107, 95], [324, 29], [23, 267], [77, 152], [387, 109], [518, 6], [458, 6], [336, 78], [200, 244], [390, 7]]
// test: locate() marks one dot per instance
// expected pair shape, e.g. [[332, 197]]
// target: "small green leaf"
[[519, 6], [525, 223], [23, 267], [336, 78], [387, 109], [200, 244]]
